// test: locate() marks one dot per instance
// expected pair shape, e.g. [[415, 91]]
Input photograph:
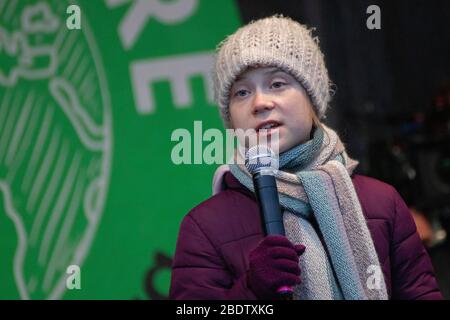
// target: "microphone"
[[262, 163]]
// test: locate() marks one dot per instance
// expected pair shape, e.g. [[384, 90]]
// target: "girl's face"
[[268, 96]]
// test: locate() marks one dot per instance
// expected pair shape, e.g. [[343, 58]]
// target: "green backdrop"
[[86, 118]]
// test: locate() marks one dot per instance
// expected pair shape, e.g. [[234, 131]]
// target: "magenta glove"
[[273, 264]]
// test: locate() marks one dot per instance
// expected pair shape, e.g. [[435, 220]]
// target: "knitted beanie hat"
[[275, 41]]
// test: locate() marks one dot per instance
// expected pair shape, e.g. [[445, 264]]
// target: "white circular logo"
[[55, 142]]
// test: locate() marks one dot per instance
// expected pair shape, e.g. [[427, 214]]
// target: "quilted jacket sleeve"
[[198, 270], [412, 272]]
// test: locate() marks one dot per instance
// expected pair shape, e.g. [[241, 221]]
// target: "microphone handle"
[[269, 205]]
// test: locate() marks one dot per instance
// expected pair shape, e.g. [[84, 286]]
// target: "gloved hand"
[[273, 264]]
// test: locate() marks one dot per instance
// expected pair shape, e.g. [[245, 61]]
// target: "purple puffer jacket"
[[216, 237]]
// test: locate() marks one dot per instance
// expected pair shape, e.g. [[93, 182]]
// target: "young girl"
[[347, 236]]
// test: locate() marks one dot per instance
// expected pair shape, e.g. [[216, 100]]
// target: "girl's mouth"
[[268, 125]]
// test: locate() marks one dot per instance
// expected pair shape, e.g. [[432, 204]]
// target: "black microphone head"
[[260, 157]]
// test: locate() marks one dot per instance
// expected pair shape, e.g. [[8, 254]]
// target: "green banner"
[[90, 94]]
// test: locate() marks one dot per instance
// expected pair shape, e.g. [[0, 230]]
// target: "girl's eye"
[[278, 84], [240, 93]]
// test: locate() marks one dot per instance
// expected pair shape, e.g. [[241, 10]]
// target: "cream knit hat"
[[275, 41]]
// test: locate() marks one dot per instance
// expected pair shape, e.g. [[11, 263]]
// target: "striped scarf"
[[322, 211]]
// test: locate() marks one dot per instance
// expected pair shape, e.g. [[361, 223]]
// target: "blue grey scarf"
[[322, 211]]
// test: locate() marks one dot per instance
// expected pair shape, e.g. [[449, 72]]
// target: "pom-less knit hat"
[[275, 41]]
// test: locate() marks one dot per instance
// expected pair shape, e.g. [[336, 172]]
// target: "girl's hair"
[[316, 122], [315, 119]]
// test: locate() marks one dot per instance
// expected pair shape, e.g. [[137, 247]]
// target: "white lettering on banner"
[[17, 46], [177, 71], [168, 12], [31, 23]]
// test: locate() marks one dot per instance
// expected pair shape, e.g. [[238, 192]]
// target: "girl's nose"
[[262, 102]]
